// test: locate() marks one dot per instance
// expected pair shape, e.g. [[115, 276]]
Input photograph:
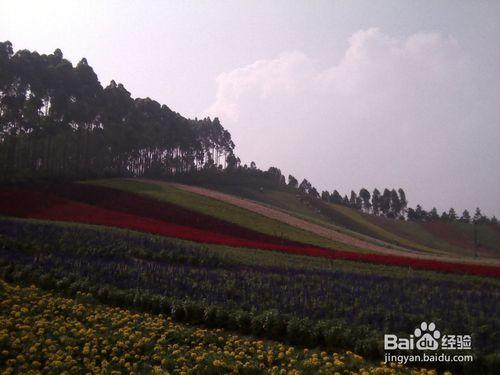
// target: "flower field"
[[331, 307], [110, 207], [42, 331]]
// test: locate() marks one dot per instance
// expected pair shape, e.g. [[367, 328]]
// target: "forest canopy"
[[58, 121]]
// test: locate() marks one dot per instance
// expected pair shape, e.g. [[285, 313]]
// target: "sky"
[[347, 94]]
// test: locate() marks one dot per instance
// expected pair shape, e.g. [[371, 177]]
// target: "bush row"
[[269, 324]]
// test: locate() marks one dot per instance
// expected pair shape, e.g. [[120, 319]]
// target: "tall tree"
[[56, 120], [313, 192], [325, 196], [292, 182], [465, 218], [385, 202], [433, 214], [365, 196], [345, 201], [452, 215], [376, 201], [412, 215], [305, 186], [396, 206], [335, 197], [275, 174], [420, 213], [402, 201], [478, 216], [353, 201]]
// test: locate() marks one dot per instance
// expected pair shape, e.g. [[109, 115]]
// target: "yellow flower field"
[[43, 333]]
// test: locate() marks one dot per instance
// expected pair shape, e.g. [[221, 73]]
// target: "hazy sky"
[[349, 94]]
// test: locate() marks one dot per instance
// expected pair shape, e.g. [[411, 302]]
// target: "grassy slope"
[[395, 231], [402, 233], [339, 218], [487, 235], [338, 215], [223, 211]]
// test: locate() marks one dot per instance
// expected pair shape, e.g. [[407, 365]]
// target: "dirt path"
[[315, 228]]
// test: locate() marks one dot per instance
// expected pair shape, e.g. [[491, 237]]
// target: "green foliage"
[[57, 121]]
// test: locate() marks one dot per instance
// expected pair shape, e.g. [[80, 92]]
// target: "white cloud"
[[391, 112]]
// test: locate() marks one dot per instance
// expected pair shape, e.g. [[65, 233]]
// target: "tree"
[[305, 186], [359, 203], [412, 215], [345, 201], [433, 214], [335, 197], [402, 200], [494, 220], [353, 201], [465, 217], [232, 162], [365, 196], [385, 202], [376, 201], [452, 215], [420, 213], [478, 216], [282, 180], [253, 165], [275, 174], [325, 196], [445, 216], [313, 192], [396, 206], [57, 121], [292, 182]]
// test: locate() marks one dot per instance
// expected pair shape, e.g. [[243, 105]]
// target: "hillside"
[[223, 222], [273, 273], [450, 238]]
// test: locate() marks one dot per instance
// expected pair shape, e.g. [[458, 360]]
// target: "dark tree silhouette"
[[345, 201], [403, 202], [313, 192], [305, 186], [395, 204], [385, 202], [376, 200], [433, 214], [420, 213], [353, 201], [365, 196], [445, 216], [325, 195], [57, 121], [452, 215], [411, 214], [275, 174], [335, 197], [465, 217], [292, 182]]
